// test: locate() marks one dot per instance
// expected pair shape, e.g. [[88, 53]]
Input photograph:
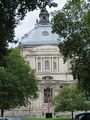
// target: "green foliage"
[[46, 119], [6, 86], [72, 24], [17, 82], [11, 12], [70, 99]]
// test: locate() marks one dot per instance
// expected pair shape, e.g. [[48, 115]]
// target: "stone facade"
[[51, 72], [40, 48]]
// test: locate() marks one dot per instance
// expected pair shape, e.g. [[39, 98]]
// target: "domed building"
[[40, 48]]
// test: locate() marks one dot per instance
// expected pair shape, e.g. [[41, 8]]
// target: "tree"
[[11, 12], [18, 83], [72, 24], [70, 99]]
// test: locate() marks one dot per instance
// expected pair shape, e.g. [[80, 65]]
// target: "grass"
[[46, 119]]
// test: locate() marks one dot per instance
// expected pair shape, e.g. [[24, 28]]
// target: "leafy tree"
[[11, 12], [70, 99], [17, 82], [72, 24]]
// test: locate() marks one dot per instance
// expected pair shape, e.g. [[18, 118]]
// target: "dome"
[[41, 34]]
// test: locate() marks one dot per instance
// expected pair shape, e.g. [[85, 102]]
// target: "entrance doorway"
[[48, 115]]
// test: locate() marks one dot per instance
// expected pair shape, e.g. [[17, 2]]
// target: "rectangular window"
[[46, 65], [39, 65], [54, 63]]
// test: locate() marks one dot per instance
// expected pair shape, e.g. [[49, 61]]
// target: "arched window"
[[44, 18], [47, 64], [47, 94]]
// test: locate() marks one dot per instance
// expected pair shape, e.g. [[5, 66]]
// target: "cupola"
[[44, 17]]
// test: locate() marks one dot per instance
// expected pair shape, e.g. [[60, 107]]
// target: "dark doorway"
[[48, 115]]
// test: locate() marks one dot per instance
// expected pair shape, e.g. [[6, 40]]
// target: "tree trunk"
[[72, 115], [2, 112]]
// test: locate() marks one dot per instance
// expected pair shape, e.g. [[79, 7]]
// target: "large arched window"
[[47, 94], [47, 64]]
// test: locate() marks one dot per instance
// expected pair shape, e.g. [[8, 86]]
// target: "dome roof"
[[41, 34]]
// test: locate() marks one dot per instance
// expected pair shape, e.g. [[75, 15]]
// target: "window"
[[47, 95], [47, 66], [44, 18], [82, 117], [61, 86], [54, 66], [45, 33], [88, 117], [39, 63], [54, 63], [47, 78]]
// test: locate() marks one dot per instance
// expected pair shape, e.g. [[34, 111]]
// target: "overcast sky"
[[30, 19]]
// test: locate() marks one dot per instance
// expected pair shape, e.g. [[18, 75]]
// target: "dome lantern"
[[44, 17]]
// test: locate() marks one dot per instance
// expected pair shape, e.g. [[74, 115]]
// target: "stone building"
[[40, 48]]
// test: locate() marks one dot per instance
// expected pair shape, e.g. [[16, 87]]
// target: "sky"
[[30, 19]]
